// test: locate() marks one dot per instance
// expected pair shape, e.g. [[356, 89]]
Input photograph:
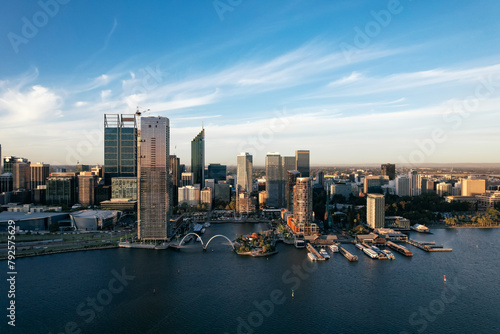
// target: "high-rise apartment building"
[[187, 179], [87, 184], [60, 190], [389, 170], [444, 189], [414, 183], [244, 172], [302, 162], [403, 186], [275, 181], [375, 210], [373, 184], [120, 146], [291, 181], [302, 201], [153, 179], [471, 187], [198, 158]]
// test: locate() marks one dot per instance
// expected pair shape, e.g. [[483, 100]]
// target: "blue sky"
[[352, 81]]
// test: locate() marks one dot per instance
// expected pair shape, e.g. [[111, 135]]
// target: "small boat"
[[293, 294], [312, 257], [334, 248], [389, 254], [359, 246], [445, 278], [324, 253]]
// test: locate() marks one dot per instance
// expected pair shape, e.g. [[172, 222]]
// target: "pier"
[[425, 246], [400, 249], [349, 256], [319, 257]]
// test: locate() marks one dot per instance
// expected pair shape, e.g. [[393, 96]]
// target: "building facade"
[[389, 170], [124, 187], [302, 162], [198, 158], [275, 182], [302, 201], [244, 172], [375, 210], [154, 178], [120, 146]]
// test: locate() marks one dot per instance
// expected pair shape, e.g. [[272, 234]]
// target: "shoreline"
[[20, 256]]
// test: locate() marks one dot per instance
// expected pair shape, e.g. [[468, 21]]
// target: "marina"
[[400, 249], [314, 252]]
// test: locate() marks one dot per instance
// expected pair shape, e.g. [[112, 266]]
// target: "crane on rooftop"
[[139, 113]]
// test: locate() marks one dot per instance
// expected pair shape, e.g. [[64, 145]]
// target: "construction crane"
[[139, 113]]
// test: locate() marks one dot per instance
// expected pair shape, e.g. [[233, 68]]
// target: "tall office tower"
[[1, 160], [9, 162], [302, 162], [154, 178], [60, 190], [291, 181], [87, 184], [198, 158], [320, 178], [373, 184], [375, 210], [120, 146], [82, 168], [175, 178], [389, 170], [6, 182], [403, 186], [471, 187], [302, 201], [39, 174], [244, 172], [21, 176], [275, 181], [217, 172], [288, 164], [414, 178]]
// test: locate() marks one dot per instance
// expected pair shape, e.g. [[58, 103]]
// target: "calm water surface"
[[218, 292]]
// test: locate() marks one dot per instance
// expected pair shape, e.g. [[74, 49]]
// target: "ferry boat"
[[389, 254], [324, 253], [370, 253], [359, 246], [334, 248], [312, 257]]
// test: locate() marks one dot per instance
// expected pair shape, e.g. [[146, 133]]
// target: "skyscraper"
[[39, 174], [414, 183], [291, 181], [302, 162], [403, 186], [389, 170], [288, 164], [244, 172], [302, 201], [87, 184], [175, 178], [375, 210], [21, 175], [153, 193], [120, 146], [275, 181], [198, 158]]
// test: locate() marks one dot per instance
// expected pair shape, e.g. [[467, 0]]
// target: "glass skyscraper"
[[154, 179], [275, 181], [198, 158], [244, 172], [302, 162], [120, 146]]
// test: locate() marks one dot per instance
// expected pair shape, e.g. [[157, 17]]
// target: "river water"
[[191, 291]]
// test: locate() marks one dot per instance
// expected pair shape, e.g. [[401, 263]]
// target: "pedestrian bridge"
[[208, 243]]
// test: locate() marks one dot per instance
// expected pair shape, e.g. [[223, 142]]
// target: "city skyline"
[[343, 79]]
